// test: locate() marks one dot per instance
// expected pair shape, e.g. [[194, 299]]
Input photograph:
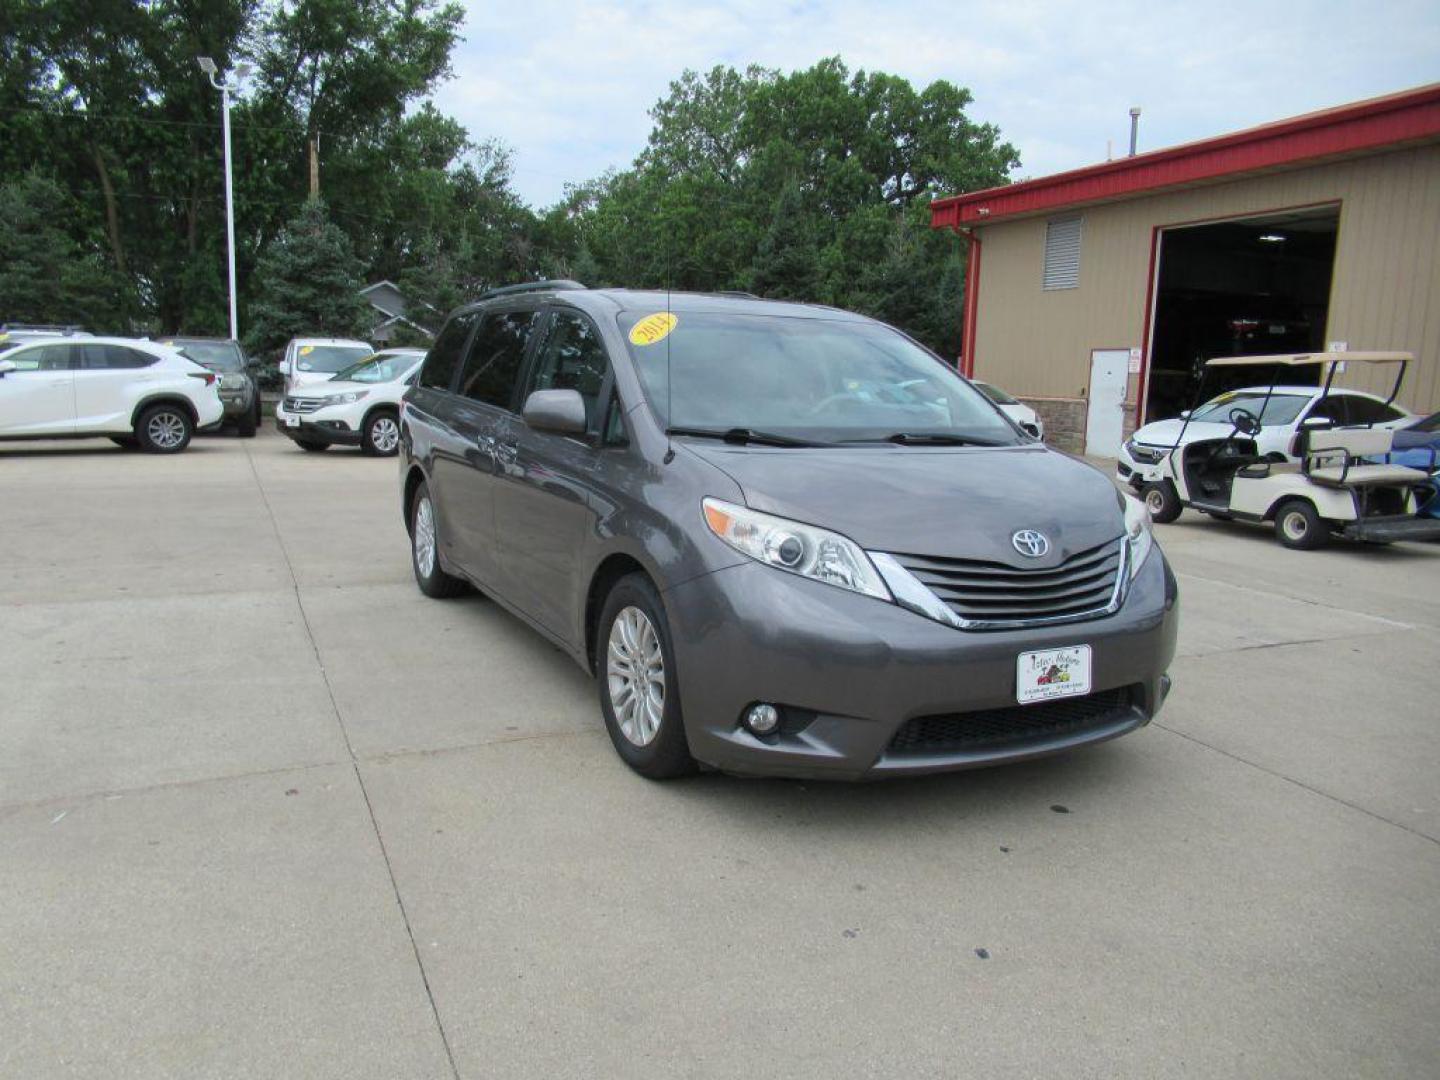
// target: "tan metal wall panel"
[[1385, 293]]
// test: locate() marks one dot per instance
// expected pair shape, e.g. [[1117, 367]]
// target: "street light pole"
[[225, 84]]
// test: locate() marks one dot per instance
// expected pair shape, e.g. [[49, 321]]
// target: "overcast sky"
[[568, 85]]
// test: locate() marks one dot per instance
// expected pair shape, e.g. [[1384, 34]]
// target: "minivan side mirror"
[[559, 411], [6, 366], [284, 367]]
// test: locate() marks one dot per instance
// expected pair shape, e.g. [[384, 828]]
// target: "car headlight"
[[347, 398], [798, 549], [1138, 536]]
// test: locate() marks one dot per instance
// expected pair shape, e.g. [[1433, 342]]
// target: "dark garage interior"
[[1251, 286]]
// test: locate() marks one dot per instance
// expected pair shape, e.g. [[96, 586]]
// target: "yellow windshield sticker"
[[306, 350], [653, 328]]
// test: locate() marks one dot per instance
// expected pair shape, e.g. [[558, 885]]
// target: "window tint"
[[494, 360], [1333, 407], [444, 356], [43, 358], [1364, 410], [573, 358], [112, 357], [615, 423]]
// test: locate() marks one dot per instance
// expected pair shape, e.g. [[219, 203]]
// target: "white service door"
[[39, 397], [1105, 422]]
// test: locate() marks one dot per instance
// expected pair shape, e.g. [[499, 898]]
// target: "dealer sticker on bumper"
[[1052, 673]]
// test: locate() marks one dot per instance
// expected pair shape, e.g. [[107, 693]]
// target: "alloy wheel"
[[425, 537], [385, 435], [166, 430], [635, 676]]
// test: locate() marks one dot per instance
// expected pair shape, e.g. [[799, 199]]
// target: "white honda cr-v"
[[138, 393]]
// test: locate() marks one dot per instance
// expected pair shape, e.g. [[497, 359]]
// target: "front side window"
[[820, 380], [573, 358], [1332, 407], [1279, 409], [444, 356], [113, 357], [495, 355]]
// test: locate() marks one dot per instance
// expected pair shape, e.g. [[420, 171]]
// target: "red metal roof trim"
[[1366, 125]]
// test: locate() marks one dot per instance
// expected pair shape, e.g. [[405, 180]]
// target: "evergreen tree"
[[309, 284], [787, 261]]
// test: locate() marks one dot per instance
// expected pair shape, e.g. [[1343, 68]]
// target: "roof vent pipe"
[[1134, 128]]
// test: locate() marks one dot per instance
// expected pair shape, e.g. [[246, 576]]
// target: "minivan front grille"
[[303, 404], [1013, 725], [993, 594]]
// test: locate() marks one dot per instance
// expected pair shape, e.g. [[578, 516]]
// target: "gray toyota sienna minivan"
[[786, 539]]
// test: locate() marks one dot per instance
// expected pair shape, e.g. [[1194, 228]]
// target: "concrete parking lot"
[[267, 811]]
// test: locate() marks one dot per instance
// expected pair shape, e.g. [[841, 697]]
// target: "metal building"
[[1094, 294]]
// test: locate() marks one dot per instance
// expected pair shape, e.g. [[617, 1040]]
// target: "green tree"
[[45, 276], [310, 282]]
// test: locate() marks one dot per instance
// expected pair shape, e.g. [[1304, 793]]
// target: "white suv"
[[358, 406], [312, 360], [137, 393]]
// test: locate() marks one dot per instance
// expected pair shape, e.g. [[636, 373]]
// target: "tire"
[[164, 429], [1298, 525], [313, 447], [1162, 500], [247, 426], [433, 581], [126, 442], [633, 631], [382, 434]]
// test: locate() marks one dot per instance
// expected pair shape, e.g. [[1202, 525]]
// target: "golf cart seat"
[[1335, 458]]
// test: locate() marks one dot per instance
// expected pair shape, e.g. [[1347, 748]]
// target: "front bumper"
[[238, 404], [1135, 473], [333, 432], [855, 671]]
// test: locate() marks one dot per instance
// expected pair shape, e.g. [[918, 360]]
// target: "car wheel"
[[382, 434], [247, 426], [1162, 500], [639, 693], [1298, 525], [125, 442], [425, 550], [164, 429], [313, 447]]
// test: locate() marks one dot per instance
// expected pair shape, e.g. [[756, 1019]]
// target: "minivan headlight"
[[798, 549], [1138, 536]]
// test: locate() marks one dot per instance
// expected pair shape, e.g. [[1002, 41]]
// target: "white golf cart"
[[1333, 490]]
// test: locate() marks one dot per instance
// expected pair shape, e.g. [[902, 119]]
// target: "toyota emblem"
[[1030, 543]]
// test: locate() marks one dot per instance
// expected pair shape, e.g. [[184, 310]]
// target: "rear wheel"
[[164, 429], [1299, 525], [425, 550], [382, 434], [639, 695], [1162, 500]]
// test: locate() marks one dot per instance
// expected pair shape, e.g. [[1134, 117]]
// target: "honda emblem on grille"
[[1030, 543]]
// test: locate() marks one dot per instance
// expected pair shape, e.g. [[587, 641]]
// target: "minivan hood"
[[953, 502]]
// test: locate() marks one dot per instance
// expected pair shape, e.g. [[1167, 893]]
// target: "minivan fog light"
[[762, 719]]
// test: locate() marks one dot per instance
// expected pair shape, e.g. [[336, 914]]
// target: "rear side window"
[[438, 371], [494, 361], [113, 357], [573, 358], [1364, 410]]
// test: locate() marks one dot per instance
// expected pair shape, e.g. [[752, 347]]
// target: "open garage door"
[[1235, 288]]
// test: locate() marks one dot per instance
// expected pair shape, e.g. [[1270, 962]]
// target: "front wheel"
[[639, 695], [164, 429], [247, 425], [1299, 525], [382, 434], [425, 550], [1162, 500]]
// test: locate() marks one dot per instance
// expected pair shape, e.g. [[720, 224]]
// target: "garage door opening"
[[1235, 288]]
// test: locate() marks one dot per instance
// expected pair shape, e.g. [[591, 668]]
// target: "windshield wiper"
[[931, 438], [741, 436]]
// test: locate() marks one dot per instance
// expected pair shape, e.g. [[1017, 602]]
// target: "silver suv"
[[786, 539]]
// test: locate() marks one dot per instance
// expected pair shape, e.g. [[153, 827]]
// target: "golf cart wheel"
[[1298, 525], [1162, 500], [639, 691]]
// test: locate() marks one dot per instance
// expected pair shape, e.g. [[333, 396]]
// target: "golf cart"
[[1333, 490]]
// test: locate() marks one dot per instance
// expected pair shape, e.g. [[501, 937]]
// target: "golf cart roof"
[[1298, 359]]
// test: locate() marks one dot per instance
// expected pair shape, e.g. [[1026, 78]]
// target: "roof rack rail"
[[556, 285]]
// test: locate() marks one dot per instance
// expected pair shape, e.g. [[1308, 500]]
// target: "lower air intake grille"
[[1012, 725]]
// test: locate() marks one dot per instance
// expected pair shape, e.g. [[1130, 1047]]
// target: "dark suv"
[[786, 539], [239, 392]]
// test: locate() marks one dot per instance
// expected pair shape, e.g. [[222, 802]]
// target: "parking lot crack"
[[355, 767]]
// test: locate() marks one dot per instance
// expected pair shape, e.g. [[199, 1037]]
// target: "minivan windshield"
[[1280, 409], [329, 358], [382, 367], [777, 378]]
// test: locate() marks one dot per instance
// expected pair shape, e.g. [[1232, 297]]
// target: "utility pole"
[[225, 84], [1134, 128]]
